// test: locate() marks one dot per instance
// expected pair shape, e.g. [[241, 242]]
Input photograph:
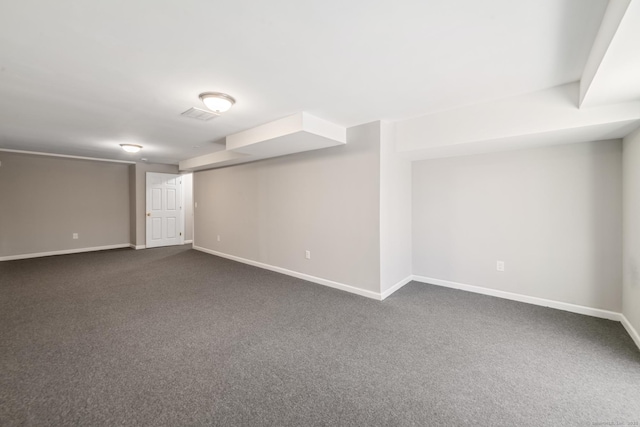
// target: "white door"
[[164, 210]]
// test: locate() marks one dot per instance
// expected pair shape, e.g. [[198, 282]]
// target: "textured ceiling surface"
[[82, 77]]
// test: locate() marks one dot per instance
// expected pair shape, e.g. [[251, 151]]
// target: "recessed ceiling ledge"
[[293, 134]]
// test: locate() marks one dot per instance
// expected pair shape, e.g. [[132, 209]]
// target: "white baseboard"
[[580, 309], [631, 330], [138, 247], [395, 287], [303, 276], [64, 252]]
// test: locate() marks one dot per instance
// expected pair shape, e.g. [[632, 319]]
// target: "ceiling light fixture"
[[217, 102], [131, 148]]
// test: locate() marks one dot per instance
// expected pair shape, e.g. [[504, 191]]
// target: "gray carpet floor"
[[172, 336]]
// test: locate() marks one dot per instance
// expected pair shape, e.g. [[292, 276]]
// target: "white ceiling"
[[82, 77]]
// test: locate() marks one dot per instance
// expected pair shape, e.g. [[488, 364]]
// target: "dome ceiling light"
[[217, 102], [131, 148]]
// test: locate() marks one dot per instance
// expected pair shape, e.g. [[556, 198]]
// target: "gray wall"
[[140, 176], [44, 200], [395, 211], [631, 267], [553, 214], [325, 201]]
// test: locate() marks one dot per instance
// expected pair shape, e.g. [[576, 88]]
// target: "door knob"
[[148, 213]]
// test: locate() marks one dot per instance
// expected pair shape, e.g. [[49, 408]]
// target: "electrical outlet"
[[75, 236], [500, 265], [307, 254], [218, 237]]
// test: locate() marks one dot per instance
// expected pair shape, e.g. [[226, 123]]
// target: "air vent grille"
[[198, 114]]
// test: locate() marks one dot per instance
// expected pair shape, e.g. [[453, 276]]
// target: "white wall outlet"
[[307, 254], [75, 236], [196, 204], [500, 265], [218, 237]]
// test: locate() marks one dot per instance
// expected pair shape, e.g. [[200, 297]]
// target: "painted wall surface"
[[44, 200], [132, 205], [395, 211], [187, 191], [141, 197], [553, 215], [631, 263], [325, 201]]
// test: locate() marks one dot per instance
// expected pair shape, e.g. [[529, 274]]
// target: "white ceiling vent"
[[198, 114]]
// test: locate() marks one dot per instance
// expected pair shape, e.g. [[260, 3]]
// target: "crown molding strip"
[[38, 153]]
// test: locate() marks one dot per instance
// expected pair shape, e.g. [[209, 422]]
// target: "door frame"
[[147, 216]]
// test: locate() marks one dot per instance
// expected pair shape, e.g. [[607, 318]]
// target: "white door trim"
[[149, 243]]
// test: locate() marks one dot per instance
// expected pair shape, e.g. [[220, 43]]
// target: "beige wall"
[[324, 201], [44, 200], [187, 188], [631, 266], [553, 214], [132, 204]]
